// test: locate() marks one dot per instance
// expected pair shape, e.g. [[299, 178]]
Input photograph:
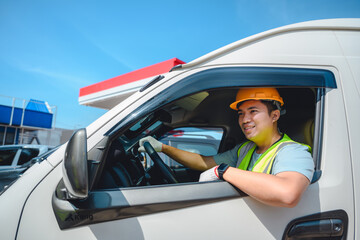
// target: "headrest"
[[308, 131]]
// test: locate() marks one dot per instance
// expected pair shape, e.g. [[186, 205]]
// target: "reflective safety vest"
[[266, 160]]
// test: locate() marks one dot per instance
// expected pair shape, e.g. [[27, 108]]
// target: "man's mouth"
[[248, 128]]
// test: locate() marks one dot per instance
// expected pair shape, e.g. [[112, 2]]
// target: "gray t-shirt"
[[292, 157]]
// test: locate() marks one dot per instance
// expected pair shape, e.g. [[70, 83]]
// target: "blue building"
[[20, 120]]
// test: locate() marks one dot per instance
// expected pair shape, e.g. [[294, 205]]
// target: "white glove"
[[153, 142], [209, 175]]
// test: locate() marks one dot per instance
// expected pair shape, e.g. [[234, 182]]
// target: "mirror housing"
[[75, 170]]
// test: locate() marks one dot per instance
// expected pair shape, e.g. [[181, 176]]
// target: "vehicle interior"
[[122, 166]]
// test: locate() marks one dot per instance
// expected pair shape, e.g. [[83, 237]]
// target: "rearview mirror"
[[75, 171]]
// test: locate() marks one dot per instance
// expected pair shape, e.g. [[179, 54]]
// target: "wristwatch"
[[222, 169]]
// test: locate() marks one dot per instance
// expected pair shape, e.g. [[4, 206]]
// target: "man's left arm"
[[283, 189], [291, 174]]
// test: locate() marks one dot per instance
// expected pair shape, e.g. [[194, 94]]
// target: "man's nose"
[[245, 118]]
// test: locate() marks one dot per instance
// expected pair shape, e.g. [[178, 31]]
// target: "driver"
[[269, 167]]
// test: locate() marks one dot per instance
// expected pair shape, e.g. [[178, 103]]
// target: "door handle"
[[323, 225], [327, 228]]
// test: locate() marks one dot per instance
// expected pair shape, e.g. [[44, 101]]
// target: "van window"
[[208, 126], [27, 154], [7, 156]]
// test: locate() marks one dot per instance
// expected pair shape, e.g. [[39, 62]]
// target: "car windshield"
[[10, 175], [7, 156]]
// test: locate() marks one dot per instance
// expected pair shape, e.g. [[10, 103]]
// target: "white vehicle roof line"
[[331, 24]]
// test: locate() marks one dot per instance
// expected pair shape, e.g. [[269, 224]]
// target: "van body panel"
[[58, 156], [38, 211], [323, 25], [315, 47], [351, 91], [13, 200]]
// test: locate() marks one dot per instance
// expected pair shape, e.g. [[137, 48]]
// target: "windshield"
[[129, 140], [7, 156], [9, 175]]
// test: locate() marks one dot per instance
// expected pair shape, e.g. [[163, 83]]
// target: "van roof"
[[327, 24]]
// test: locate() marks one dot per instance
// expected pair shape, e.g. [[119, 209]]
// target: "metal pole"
[[12, 111], [23, 113], [4, 138], [22, 136], [54, 119], [16, 130]]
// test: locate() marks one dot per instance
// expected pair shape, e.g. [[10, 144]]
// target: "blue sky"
[[51, 48]]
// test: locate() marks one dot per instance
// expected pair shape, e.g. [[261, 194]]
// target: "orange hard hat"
[[245, 94]]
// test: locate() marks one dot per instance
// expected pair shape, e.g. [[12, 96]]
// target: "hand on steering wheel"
[[153, 142], [158, 163]]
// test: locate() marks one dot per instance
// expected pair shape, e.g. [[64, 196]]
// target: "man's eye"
[[240, 113]]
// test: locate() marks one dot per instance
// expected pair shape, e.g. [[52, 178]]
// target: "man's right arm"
[[191, 160]]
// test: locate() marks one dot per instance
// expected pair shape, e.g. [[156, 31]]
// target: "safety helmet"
[[245, 94]]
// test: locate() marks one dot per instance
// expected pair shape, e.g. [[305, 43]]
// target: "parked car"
[[96, 186], [14, 159]]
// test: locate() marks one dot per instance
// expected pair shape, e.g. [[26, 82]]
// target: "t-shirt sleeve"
[[228, 157], [294, 158]]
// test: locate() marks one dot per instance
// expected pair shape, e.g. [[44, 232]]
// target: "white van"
[[96, 186]]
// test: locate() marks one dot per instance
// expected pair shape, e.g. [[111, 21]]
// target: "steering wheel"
[[159, 164]]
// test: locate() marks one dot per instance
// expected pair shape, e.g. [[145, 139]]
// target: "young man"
[[270, 167]]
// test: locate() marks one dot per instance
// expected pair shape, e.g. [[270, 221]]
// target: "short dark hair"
[[271, 106]]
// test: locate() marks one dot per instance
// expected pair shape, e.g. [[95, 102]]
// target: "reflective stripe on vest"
[[266, 160]]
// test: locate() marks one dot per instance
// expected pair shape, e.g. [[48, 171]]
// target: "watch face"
[[221, 169]]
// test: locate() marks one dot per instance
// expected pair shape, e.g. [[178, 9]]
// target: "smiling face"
[[256, 123]]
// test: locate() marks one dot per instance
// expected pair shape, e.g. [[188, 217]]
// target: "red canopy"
[[130, 77]]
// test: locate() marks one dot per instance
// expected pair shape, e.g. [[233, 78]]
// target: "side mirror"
[[75, 171]]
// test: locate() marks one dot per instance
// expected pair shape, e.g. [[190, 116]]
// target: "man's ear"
[[275, 115]]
